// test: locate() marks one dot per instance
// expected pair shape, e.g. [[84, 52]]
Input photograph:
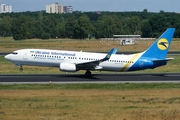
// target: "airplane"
[[72, 61]]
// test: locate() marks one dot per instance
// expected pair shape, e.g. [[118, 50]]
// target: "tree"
[[28, 25], [50, 25], [83, 27], [37, 30], [145, 10], [146, 30], [61, 27], [118, 28], [107, 26], [20, 28], [133, 25], [5, 26], [161, 11], [159, 24], [70, 27]]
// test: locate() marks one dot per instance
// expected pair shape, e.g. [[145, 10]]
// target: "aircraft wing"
[[94, 64]]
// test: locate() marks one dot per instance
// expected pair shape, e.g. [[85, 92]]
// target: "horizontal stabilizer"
[[162, 60]]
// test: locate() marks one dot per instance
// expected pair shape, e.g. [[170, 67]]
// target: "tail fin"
[[161, 46]]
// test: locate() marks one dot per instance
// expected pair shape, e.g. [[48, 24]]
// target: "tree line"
[[76, 25]]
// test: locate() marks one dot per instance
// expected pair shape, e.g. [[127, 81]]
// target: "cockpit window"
[[14, 53]]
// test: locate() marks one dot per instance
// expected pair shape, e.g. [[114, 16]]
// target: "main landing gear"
[[88, 73]]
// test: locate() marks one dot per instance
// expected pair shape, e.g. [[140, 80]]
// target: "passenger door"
[[25, 55]]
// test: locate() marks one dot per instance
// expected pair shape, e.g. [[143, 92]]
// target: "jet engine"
[[67, 67]]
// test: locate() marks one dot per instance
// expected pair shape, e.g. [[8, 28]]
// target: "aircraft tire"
[[20, 69], [88, 73]]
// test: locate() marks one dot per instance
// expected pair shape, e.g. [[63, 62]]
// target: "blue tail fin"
[[161, 46]]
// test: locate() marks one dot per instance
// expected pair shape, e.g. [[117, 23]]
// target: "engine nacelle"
[[67, 67]]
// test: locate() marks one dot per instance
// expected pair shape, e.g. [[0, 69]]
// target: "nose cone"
[[8, 57]]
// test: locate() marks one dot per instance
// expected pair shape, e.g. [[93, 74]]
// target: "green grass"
[[126, 86], [9, 45], [91, 104]]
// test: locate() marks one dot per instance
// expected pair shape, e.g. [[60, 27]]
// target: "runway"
[[96, 78]]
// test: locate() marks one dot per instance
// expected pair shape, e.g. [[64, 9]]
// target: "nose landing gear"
[[21, 69]]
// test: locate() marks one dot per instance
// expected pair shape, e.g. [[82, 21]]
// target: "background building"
[[5, 8], [56, 8], [68, 9]]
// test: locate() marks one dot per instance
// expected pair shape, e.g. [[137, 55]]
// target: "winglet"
[[108, 55], [115, 51]]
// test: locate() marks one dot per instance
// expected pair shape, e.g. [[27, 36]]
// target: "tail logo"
[[163, 44]]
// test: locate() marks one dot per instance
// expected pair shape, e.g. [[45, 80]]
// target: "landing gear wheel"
[[20, 69], [88, 73]]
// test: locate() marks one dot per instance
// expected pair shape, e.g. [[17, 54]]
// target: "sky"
[[97, 5]]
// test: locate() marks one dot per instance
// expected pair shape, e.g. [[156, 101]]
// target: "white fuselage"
[[53, 58]]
